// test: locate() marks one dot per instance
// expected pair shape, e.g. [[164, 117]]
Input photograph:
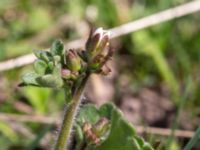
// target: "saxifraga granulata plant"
[[95, 129], [70, 71]]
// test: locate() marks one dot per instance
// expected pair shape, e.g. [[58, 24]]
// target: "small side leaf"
[[50, 65], [57, 48], [50, 80], [40, 66], [44, 55], [37, 53], [57, 71], [79, 137], [30, 78], [57, 59]]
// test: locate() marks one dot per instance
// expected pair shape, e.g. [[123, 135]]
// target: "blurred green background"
[[156, 70]]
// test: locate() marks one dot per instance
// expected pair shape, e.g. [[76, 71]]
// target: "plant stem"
[[69, 117]]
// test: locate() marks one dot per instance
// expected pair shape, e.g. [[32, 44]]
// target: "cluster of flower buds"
[[57, 68], [94, 134]]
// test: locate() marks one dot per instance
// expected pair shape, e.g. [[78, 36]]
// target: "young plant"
[[103, 129]]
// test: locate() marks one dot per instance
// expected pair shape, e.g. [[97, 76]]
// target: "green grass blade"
[[193, 140]]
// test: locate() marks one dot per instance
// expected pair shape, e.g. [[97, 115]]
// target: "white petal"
[[98, 31], [107, 33]]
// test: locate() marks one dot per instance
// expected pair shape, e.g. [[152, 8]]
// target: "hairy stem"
[[69, 117]]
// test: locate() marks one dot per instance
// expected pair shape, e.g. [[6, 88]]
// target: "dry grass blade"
[[145, 22], [52, 120]]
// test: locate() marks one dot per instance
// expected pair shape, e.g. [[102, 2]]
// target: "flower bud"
[[66, 74], [97, 42], [73, 60], [91, 137], [101, 127]]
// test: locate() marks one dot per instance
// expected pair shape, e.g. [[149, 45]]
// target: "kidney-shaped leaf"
[[122, 135]]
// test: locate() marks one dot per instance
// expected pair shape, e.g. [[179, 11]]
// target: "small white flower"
[[102, 33]]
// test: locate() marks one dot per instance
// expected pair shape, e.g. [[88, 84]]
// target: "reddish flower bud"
[[101, 127], [65, 73], [73, 60], [91, 137]]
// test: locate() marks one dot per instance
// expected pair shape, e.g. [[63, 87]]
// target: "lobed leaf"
[[30, 78], [57, 48], [88, 113], [122, 135], [43, 55], [50, 80], [40, 66]]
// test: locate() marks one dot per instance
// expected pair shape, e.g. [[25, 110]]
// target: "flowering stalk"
[[70, 71], [69, 118], [95, 47]]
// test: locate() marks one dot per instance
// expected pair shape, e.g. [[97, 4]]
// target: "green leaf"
[[57, 48], [43, 55], [37, 53], [50, 65], [147, 146], [88, 113], [30, 78], [79, 137], [106, 110], [46, 56], [50, 80], [57, 71], [53, 80], [141, 143], [57, 58], [122, 135], [79, 134], [40, 66]]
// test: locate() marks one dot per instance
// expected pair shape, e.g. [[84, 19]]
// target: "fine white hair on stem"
[[66, 110]]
